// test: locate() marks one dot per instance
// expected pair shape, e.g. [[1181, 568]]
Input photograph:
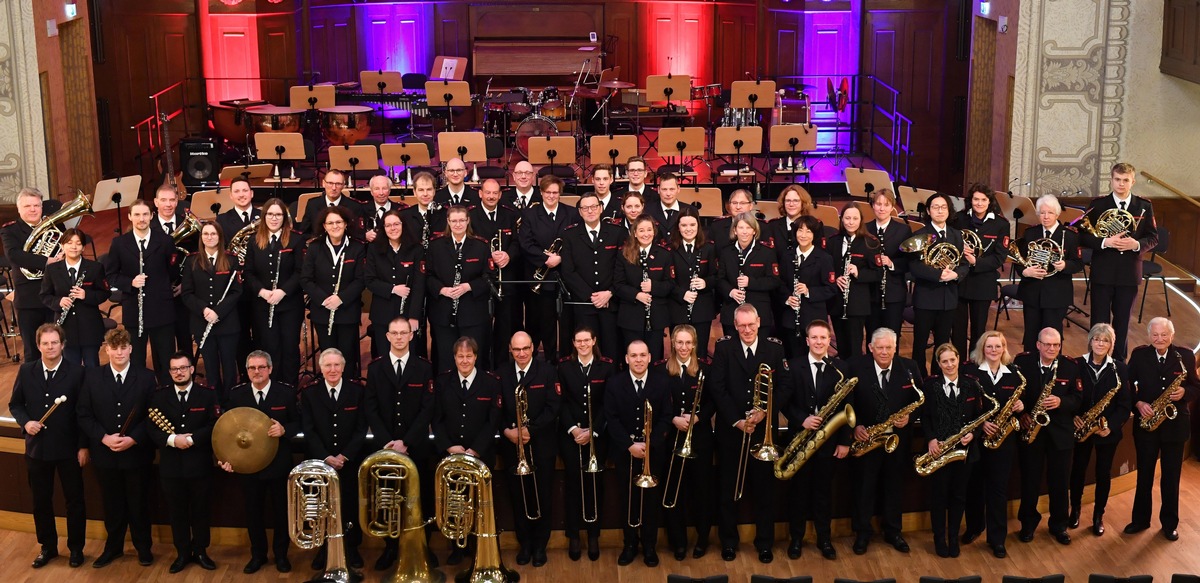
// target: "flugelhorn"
[[463, 507], [315, 515], [684, 452], [645, 480], [389, 506], [43, 240], [524, 466]]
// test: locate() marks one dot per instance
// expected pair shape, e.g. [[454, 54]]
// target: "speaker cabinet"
[[200, 163]]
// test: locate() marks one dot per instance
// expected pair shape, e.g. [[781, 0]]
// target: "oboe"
[[337, 286], [67, 312], [691, 286], [457, 281], [846, 292], [141, 292], [274, 286], [208, 328], [645, 278]]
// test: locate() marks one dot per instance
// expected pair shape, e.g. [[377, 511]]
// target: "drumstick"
[[57, 402]]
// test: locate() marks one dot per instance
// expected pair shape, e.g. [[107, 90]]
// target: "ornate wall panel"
[[22, 135]]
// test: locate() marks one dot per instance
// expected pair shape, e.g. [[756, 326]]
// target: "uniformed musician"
[[590, 253], [749, 274], [31, 313], [243, 213], [856, 259], [524, 192], [458, 265], [456, 192], [720, 231], [274, 260], [333, 183], [395, 276], [380, 205], [334, 419], [212, 287], [168, 218], [76, 286], [632, 207], [935, 289], [887, 311], [333, 278], [185, 459], [693, 298], [794, 202], [426, 219], [643, 282], [1045, 298], [496, 223], [637, 173], [809, 282], [666, 208], [54, 446], [979, 288], [688, 492], [610, 202], [541, 226]]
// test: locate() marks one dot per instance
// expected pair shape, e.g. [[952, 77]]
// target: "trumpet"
[[1039, 414], [927, 463], [464, 506], [1004, 418], [684, 452], [592, 467], [645, 480], [806, 443], [314, 515], [67, 312], [524, 466], [543, 270], [765, 451], [389, 506]]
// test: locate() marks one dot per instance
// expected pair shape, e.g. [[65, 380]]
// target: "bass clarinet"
[[67, 312]]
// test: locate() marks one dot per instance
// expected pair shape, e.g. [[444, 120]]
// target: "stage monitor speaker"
[[200, 162]]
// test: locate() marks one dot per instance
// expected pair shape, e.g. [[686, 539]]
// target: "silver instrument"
[[314, 502], [799, 298], [337, 286], [141, 299], [67, 312], [208, 328], [274, 286]]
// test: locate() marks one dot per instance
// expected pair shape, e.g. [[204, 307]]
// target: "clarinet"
[[141, 299], [67, 312], [337, 286], [694, 274], [209, 327], [846, 292], [645, 261], [799, 298], [457, 281], [274, 286], [882, 278], [742, 256]]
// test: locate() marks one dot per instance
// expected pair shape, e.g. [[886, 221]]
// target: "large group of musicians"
[[512, 327]]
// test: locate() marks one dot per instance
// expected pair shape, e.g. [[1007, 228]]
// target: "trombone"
[[524, 466], [644, 480], [766, 451], [592, 467], [684, 452]]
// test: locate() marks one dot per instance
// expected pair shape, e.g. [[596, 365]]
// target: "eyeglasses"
[[277, 215], [637, 171], [258, 367], [334, 223], [328, 183], [523, 173], [939, 207], [522, 348], [181, 368], [448, 170], [589, 207]]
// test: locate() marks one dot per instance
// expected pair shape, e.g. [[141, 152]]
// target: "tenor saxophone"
[[880, 433], [806, 443], [1039, 414], [1005, 419], [1163, 407], [926, 463], [1094, 420]]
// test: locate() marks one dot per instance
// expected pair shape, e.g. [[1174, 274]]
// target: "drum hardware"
[[240, 439]]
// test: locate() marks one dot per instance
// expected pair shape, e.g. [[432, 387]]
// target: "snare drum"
[[343, 125], [534, 126], [550, 105], [274, 118], [523, 108]]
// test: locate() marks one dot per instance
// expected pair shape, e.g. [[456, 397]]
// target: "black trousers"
[[266, 498], [987, 492], [125, 507], [652, 338], [891, 318], [583, 496], [85, 355], [220, 361], [281, 341], [1079, 464], [246, 341], [1036, 458], [505, 322], [849, 334], [162, 343], [940, 322], [443, 342], [345, 339], [41, 483], [948, 500], [695, 499], [187, 503], [759, 488], [881, 474], [1150, 448], [28, 320], [635, 501], [541, 320], [536, 499], [182, 332], [811, 492], [970, 323], [604, 324], [1114, 304], [1037, 319], [351, 530]]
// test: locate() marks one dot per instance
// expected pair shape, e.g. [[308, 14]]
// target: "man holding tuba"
[[1052, 256], [28, 303]]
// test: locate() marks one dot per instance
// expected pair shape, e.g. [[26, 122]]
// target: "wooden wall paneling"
[[396, 37], [982, 98], [1181, 39], [785, 51], [334, 46], [735, 43], [277, 49], [621, 24], [529, 21], [233, 36], [80, 98], [452, 31]]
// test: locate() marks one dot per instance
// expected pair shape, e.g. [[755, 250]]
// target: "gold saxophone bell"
[[43, 240], [314, 515], [807, 442], [464, 506]]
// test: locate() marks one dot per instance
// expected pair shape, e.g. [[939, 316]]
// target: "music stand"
[[360, 157], [283, 146], [109, 194], [450, 68], [545, 149], [469, 146], [248, 171], [689, 141], [207, 204], [861, 182], [449, 93], [706, 199], [311, 98], [407, 155], [748, 94], [737, 141], [614, 147], [669, 88], [377, 82], [792, 138]]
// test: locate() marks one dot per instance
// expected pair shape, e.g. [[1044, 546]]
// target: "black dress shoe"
[[897, 541], [593, 548], [145, 558], [728, 554], [253, 565], [969, 537], [523, 556], [628, 554], [106, 558], [861, 542], [43, 558], [999, 551], [283, 565], [180, 562], [794, 548], [940, 548], [1171, 535], [827, 550], [954, 550], [650, 557], [765, 556], [456, 556], [1062, 537], [354, 560], [573, 549], [204, 561], [76, 559], [680, 553], [700, 550], [539, 557], [1134, 528], [1073, 519], [386, 559], [1098, 527], [1025, 535]]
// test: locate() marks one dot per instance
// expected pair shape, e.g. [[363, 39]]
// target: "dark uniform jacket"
[[386, 269], [819, 274], [666, 226], [731, 377], [1001, 389], [205, 288], [981, 281], [874, 404], [197, 417], [121, 266], [473, 266], [864, 254], [106, 408], [330, 428], [14, 234], [627, 281], [943, 417], [509, 198], [467, 419], [573, 410], [538, 232], [1151, 378], [1121, 267], [276, 267], [929, 291], [588, 268], [505, 225], [231, 221], [544, 399], [1097, 384], [1067, 386], [401, 408], [761, 264], [896, 232], [702, 263], [370, 216], [625, 412], [84, 325], [424, 226], [469, 196], [1055, 291], [320, 277], [806, 398], [282, 405], [318, 204], [33, 395]]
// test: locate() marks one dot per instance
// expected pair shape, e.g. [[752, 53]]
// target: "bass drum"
[[534, 126]]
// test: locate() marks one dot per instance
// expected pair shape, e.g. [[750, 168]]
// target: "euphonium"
[[684, 452], [1093, 419], [926, 463], [314, 515], [1004, 418], [806, 443], [240, 241], [389, 506], [880, 435], [1111, 222], [43, 240], [1039, 414], [524, 466], [1163, 407], [464, 506]]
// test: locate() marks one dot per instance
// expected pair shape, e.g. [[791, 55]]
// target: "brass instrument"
[[543, 270], [1004, 418], [464, 506], [188, 227], [764, 381], [1043, 253], [645, 480], [524, 466], [239, 243], [1111, 223], [684, 452], [314, 515], [845, 292], [161, 421], [43, 240], [1163, 407], [880, 434], [389, 506], [67, 312], [208, 327], [940, 254], [1094, 420], [971, 239], [337, 285], [592, 467], [926, 463], [1039, 414], [806, 443]]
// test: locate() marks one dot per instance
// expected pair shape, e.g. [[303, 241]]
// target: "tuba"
[[389, 505], [1112, 222], [314, 515], [927, 463], [43, 240], [942, 255], [806, 443], [240, 241], [464, 506]]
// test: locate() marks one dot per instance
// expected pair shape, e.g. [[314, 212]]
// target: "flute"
[[209, 327], [274, 286], [337, 286]]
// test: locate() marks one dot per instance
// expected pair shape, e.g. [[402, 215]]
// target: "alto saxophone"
[[1039, 414], [880, 435], [927, 463], [1163, 407], [806, 443], [1005, 419], [67, 312], [1094, 420]]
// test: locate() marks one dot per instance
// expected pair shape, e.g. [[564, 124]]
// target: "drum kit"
[[519, 114]]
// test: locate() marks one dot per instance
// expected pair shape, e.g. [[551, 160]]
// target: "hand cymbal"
[[240, 438]]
